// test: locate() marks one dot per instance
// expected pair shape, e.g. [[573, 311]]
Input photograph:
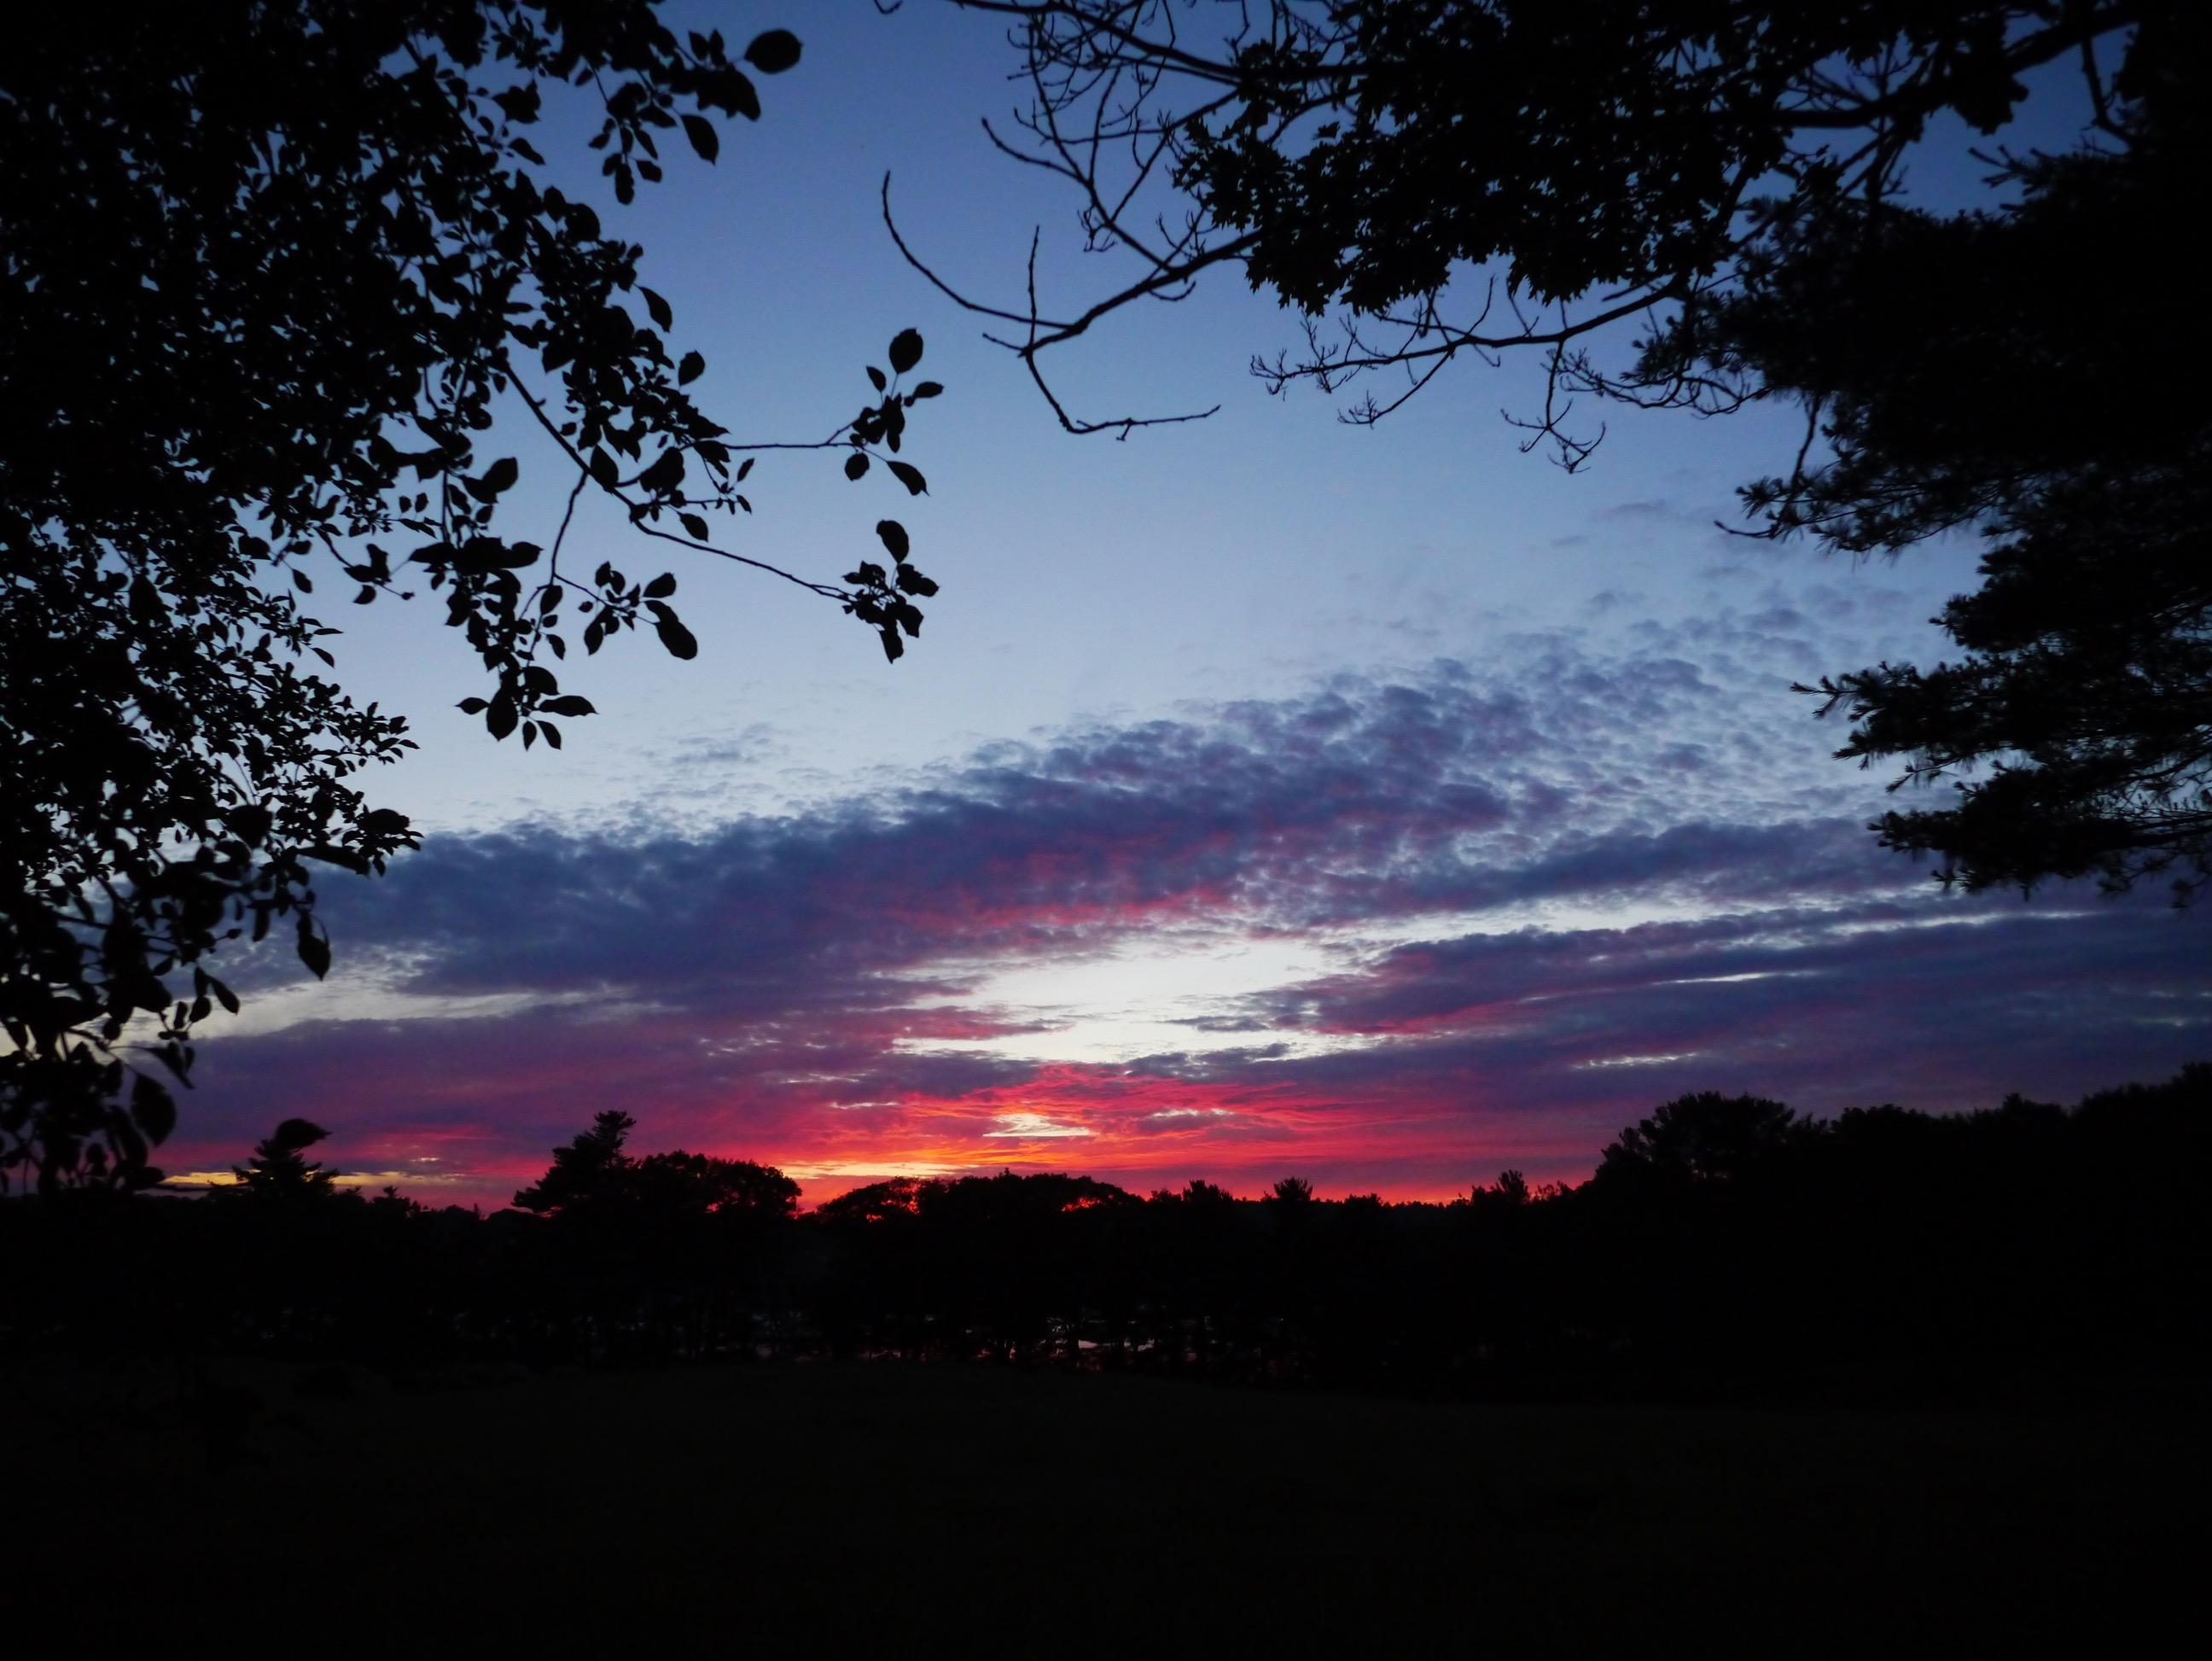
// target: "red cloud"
[[806, 991]]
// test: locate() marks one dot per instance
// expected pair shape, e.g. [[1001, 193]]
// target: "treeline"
[[1725, 1244]]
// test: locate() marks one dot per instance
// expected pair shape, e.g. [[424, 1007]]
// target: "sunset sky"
[[1263, 796]]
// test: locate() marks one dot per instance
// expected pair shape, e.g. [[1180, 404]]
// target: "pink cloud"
[[806, 991]]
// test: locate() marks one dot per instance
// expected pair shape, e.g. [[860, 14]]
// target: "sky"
[[1264, 796]]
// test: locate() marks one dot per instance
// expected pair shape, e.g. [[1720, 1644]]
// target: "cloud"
[[1543, 892], [1033, 1127]]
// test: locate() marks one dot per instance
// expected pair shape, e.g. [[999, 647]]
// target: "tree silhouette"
[[700, 1185], [1291, 1193], [279, 277], [2086, 679], [1510, 1193], [873, 1203], [279, 1171], [1726, 1245], [660, 1253], [1704, 1137], [1367, 159], [585, 1173], [1686, 206]]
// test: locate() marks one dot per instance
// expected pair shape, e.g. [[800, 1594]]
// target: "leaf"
[[774, 52], [472, 706], [694, 527], [856, 465], [500, 718], [224, 996], [910, 476], [480, 555], [502, 475], [876, 375], [569, 703], [518, 104], [249, 823], [894, 538], [674, 636], [664, 475], [314, 950], [657, 308], [690, 368], [529, 734], [604, 473], [661, 587], [906, 350], [704, 139], [151, 1106], [551, 734], [927, 389], [894, 648]]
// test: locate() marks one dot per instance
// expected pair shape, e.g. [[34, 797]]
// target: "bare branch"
[[636, 508]]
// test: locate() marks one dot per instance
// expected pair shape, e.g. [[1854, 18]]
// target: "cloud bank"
[[1394, 933]]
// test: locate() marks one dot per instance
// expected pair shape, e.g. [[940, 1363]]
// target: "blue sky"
[[1386, 805], [1235, 556]]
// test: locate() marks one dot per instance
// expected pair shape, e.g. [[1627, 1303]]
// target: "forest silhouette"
[[1725, 1248]]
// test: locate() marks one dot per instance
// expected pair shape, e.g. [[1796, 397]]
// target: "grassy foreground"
[[909, 1508]]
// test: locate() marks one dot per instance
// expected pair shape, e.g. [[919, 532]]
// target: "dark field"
[[905, 1507]]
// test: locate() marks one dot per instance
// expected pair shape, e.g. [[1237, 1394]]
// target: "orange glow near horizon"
[[1147, 1133], [1139, 1133]]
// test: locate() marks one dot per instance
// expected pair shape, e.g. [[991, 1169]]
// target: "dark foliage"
[[1702, 1138], [1958, 382], [274, 280], [1726, 1246], [280, 1171], [1676, 204]]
